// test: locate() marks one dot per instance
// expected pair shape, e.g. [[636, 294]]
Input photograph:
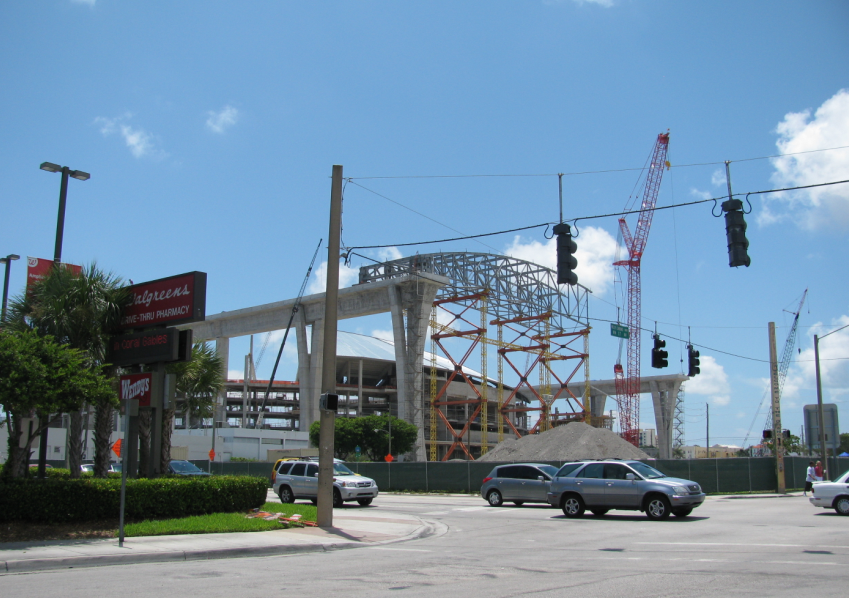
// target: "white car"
[[832, 495], [299, 479]]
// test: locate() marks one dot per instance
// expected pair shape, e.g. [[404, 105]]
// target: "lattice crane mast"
[[783, 367], [628, 384]]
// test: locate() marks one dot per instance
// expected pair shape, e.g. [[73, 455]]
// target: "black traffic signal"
[[786, 434], [767, 434], [735, 231], [658, 355], [692, 361], [566, 262]]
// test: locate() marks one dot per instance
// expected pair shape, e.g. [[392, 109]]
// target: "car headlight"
[[680, 490]]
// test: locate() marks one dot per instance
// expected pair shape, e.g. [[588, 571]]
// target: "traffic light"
[[566, 262], [786, 434], [658, 355], [692, 361], [767, 435], [735, 231]]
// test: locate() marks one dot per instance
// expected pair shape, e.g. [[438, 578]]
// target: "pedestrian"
[[818, 471], [810, 477]]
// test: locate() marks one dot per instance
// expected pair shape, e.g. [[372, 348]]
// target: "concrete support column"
[[663, 397], [400, 338], [309, 404], [304, 378]]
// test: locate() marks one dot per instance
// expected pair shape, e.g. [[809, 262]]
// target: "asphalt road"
[[728, 547]]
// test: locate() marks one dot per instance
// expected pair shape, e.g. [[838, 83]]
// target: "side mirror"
[[630, 476], [541, 478], [315, 475]]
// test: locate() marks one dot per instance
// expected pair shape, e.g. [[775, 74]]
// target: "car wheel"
[[599, 512], [337, 499], [494, 498], [572, 506], [682, 512], [657, 507], [285, 494], [841, 505], [364, 502], [518, 503]]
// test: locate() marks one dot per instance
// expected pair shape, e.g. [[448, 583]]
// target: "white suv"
[[299, 479]]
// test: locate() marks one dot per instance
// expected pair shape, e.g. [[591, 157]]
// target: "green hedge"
[[89, 499]]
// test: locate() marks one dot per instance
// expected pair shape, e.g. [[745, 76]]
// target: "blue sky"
[[210, 129]]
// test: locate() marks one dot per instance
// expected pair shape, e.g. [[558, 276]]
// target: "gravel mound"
[[570, 442]]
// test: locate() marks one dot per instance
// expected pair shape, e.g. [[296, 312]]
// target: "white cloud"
[[712, 382], [717, 179], [388, 254], [384, 334], [139, 141], [819, 207], [834, 367], [702, 194], [318, 282], [595, 255], [217, 122]]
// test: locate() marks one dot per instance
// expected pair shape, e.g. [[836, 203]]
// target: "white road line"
[[739, 544]]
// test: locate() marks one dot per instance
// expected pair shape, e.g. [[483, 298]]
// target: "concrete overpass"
[[407, 298]]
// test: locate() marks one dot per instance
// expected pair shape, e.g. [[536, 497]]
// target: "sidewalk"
[[352, 528]]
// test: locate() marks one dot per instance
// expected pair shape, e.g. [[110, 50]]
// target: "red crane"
[[628, 387]]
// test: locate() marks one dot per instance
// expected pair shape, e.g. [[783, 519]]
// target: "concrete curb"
[[424, 530]]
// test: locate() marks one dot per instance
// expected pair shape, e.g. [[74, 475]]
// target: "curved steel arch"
[[517, 288]]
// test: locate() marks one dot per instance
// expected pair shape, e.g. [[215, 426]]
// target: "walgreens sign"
[[168, 301]]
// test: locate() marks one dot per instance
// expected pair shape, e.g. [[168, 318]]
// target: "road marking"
[[398, 549], [736, 544], [436, 513]]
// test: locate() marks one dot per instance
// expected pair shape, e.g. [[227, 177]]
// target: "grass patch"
[[218, 522]]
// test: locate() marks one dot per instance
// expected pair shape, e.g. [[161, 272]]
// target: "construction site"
[[451, 313]]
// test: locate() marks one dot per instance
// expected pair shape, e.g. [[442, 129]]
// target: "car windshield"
[[549, 469], [646, 471], [184, 467], [340, 469], [116, 466]]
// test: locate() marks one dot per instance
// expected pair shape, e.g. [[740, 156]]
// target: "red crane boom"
[[628, 387]]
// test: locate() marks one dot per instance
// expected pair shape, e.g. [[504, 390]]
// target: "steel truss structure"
[[546, 321]]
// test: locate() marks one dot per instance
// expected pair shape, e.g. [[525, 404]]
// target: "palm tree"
[[79, 310], [198, 383]]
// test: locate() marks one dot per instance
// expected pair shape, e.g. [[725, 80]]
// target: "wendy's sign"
[[168, 301], [137, 386]]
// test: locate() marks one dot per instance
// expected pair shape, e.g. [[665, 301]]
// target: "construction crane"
[[259, 417], [783, 366], [628, 384]]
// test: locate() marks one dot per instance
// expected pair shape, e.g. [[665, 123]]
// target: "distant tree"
[[371, 434], [39, 377], [198, 383], [792, 445], [844, 444]]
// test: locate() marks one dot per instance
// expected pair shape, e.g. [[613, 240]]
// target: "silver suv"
[[630, 485], [518, 483], [299, 479]]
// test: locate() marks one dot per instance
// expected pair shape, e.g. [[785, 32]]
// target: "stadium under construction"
[[448, 310]]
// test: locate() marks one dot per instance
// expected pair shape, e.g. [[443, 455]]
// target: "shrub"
[[89, 499]]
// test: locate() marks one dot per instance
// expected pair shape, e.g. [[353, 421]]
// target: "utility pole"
[[776, 412], [327, 417]]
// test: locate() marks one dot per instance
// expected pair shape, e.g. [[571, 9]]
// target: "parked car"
[[601, 486], [832, 495], [518, 483], [292, 480], [185, 468], [89, 467]]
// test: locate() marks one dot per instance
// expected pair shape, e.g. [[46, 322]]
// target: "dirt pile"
[[571, 442]]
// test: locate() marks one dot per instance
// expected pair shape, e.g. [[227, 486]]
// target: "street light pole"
[[820, 415], [57, 258], [8, 261]]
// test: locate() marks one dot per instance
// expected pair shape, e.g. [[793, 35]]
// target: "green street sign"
[[619, 331]]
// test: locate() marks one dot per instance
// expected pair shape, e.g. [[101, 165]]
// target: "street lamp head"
[[10, 258], [50, 167], [80, 175]]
